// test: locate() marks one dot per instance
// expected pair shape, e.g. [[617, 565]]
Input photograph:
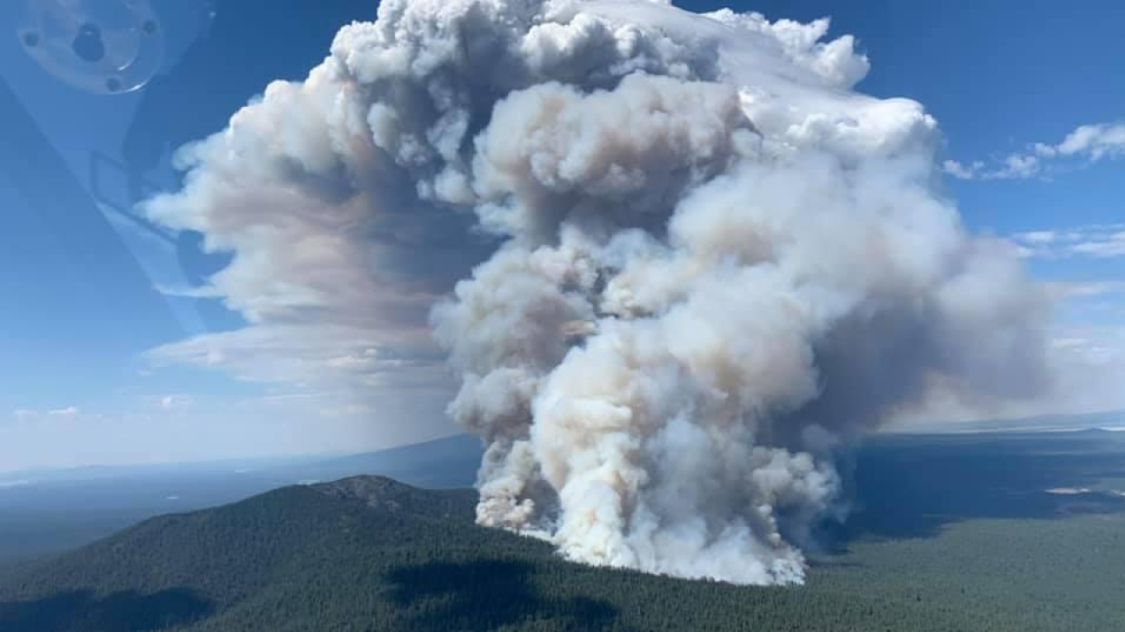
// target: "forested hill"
[[370, 554]]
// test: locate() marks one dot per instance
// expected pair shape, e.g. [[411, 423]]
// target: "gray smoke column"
[[711, 261]]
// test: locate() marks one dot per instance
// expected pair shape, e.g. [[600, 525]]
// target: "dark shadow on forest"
[[913, 486], [486, 594], [82, 611]]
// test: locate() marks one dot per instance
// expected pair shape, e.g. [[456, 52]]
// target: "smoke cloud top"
[[673, 259]]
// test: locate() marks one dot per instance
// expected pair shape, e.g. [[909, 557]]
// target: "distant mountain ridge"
[[55, 510], [450, 454]]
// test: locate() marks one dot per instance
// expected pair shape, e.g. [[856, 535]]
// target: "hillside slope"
[[371, 554]]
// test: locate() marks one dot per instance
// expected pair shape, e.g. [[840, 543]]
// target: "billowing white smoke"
[[715, 260]]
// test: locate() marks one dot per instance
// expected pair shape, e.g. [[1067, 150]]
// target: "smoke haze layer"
[[674, 260]]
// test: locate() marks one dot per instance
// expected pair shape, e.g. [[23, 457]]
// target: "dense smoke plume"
[[706, 260]]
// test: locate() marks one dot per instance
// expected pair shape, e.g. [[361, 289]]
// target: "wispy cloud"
[[31, 415], [1095, 240], [1100, 346], [69, 411], [321, 356], [1085, 289], [1087, 144], [176, 402]]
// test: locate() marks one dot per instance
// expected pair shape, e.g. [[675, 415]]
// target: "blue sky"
[[90, 291]]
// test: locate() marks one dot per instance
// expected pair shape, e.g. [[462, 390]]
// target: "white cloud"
[[69, 411], [313, 355], [1085, 289], [176, 402], [1094, 141], [1094, 240], [1112, 245], [1095, 355], [53, 415], [1087, 144], [963, 172]]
